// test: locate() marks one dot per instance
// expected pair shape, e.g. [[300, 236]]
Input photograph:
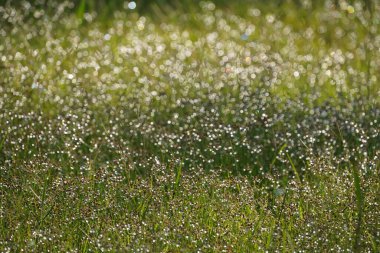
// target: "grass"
[[245, 127]]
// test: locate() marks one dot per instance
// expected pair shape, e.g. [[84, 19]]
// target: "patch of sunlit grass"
[[243, 129]]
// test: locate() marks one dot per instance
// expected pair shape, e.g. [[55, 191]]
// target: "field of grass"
[[242, 127]]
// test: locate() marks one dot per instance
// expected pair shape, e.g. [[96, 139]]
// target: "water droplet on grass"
[[132, 5]]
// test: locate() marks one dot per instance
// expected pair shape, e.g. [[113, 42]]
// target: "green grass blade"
[[81, 10]]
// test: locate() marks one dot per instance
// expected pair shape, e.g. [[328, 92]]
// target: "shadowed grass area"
[[212, 127]]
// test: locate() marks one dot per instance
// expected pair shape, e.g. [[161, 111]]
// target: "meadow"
[[249, 126]]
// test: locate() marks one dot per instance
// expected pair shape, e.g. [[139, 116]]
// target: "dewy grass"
[[198, 127], [359, 206]]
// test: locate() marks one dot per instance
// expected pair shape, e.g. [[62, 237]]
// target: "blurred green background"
[[143, 6]]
